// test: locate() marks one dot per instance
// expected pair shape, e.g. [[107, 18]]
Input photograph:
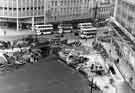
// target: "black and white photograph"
[[67, 46]]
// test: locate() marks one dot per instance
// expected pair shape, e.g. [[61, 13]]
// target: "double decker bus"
[[84, 25], [44, 29], [63, 28], [88, 33], [87, 30]]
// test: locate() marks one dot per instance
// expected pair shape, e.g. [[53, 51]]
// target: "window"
[[130, 19], [14, 9], [10, 8], [55, 3], [61, 2], [19, 9], [124, 14], [1, 7], [5, 8], [132, 8]]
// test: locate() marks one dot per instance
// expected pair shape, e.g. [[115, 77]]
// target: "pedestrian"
[[5, 32], [9, 44], [32, 59], [117, 61], [12, 46], [131, 80]]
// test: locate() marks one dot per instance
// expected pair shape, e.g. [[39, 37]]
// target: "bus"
[[63, 28], [88, 33], [86, 30], [84, 25], [43, 29]]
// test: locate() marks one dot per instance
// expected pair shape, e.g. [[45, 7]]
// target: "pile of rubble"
[[18, 52]]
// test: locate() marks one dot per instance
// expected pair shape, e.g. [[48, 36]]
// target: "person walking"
[[5, 32]]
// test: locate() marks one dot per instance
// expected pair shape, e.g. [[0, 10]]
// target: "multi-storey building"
[[69, 10], [124, 18], [24, 13], [104, 9], [125, 14], [21, 12]]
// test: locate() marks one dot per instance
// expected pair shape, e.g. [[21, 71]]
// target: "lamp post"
[[95, 12], [115, 8], [91, 85], [17, 23], [33, 19], [45, 10]]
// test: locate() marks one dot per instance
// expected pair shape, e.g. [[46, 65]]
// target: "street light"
[[91, 85], [17, 9], [33, 17]]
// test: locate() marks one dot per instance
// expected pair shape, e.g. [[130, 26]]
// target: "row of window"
[[126, 22], [28, 8], [67, 2], [79, 14], [104, 15], [125, 14], [20, 14], [76, 10], [127, 5], [70, 17], [104, 9]]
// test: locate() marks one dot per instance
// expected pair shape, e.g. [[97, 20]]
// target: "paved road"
[[124, 88], [48, 76]]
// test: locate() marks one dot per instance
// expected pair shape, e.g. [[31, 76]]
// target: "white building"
[[26, 13], [125, 15]]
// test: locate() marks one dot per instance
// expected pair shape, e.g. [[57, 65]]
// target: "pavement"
[[124, 69], [123, 66], [12, 34], [47, 76], [127, 72]]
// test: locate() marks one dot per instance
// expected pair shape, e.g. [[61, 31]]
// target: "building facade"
[[105, 9], [125, 15], [27, 13], [125, 20], [21, 12], [69, 10]]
